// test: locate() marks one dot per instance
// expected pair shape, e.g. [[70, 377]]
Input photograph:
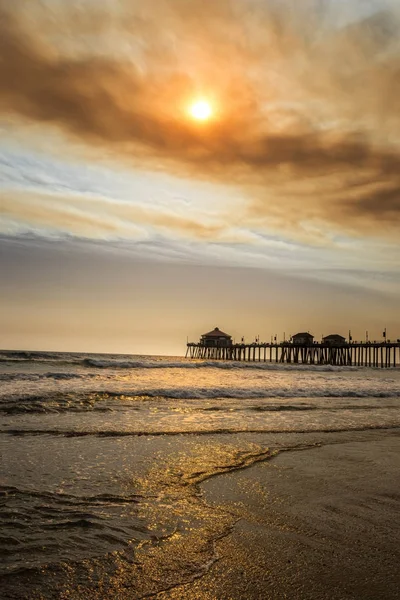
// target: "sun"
[[201, 110]]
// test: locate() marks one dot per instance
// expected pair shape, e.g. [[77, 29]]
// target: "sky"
[[126, 225]]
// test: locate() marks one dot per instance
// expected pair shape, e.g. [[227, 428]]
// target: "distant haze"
[[82, 298]]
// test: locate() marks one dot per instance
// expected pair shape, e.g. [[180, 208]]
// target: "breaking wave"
[[111, 433], [11, 355], [161, 364], [185, 393], [106, 401], [43, 376]]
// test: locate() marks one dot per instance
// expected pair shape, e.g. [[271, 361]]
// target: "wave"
[[204, 394], [143, 362], [51, 402], [196, 432], [188, 393], [41, 527], [8, 491], [93, 363], [27, 355], [41, 376], [163, 364]]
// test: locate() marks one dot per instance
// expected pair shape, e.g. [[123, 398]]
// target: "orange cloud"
[[307, 123]]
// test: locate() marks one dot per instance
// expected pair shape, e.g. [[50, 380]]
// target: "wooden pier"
[[365, 354]]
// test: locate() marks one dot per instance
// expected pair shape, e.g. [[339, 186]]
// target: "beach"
[[200, 284], [143, 477], [317, 523]]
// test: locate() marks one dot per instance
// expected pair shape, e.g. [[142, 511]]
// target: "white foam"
[[162, 364]]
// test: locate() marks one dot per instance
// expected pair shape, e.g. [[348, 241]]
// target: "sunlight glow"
[[201, 110]]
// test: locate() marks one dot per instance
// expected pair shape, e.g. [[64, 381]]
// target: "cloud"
[[96, 217], [306, 115]]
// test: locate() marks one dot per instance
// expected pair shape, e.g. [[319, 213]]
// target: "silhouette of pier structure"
[[301, 349]]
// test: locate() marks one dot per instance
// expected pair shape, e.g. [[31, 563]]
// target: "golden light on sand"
[[201, 110]]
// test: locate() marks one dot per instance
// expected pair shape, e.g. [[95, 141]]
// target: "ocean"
[[106, 458]]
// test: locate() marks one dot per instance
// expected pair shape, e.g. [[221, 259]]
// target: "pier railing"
[[385, 354]]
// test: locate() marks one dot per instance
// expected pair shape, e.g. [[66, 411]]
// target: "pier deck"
[[384, 355]]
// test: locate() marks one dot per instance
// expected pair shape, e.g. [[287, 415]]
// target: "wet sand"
[[251, 516], [320, 523]]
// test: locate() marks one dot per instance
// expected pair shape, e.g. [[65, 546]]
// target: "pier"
[[212, 346]]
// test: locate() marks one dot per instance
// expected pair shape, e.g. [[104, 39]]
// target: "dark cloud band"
[[297, 116]]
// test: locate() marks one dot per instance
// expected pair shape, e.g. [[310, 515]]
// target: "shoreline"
[[298, 516], [316, 523]]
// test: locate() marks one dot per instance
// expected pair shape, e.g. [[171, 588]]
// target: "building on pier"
[[303, 339], [334, 339], [216, 339]]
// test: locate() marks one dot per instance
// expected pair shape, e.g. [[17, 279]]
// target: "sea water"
[[102, 456]]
